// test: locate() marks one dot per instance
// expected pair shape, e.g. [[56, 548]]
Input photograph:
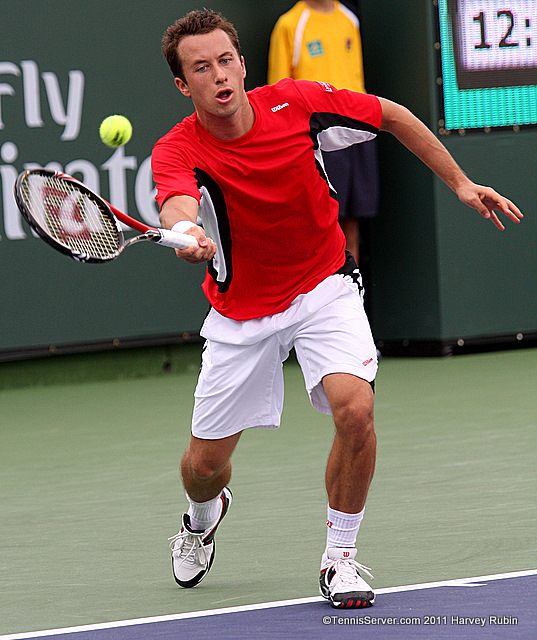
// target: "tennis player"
[[244, 175]]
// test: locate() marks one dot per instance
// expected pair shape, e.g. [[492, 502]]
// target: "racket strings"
[[71, 217]]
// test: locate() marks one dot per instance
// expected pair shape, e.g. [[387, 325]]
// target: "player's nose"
[[219, 75]]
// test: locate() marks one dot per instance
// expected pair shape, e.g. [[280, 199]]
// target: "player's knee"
[[204, 469], [205, 466], [354, 421]]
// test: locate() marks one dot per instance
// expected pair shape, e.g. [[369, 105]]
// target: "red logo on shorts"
[[366, 362]]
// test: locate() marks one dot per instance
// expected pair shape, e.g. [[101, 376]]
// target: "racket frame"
[[147, 233]]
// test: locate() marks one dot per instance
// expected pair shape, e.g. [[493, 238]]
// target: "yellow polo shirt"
[[311, 45]]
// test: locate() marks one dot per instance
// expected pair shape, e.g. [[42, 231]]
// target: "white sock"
[[342, 528], [204, 514]]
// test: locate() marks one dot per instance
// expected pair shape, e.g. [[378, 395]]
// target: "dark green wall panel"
[[112, 50], [439, 272], [488, 278]]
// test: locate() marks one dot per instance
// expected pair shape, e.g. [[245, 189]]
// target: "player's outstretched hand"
[[203, 253], [485, 200]]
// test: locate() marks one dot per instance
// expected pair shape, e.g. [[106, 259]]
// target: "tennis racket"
[[74, 220]]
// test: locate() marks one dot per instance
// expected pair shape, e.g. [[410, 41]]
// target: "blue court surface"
[[487, 607]]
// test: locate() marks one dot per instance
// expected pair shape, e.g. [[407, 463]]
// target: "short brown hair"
[[194, 23]]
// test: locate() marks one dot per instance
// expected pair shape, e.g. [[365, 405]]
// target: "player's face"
[[214, 74]]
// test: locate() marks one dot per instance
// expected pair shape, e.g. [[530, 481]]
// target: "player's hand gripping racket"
[[74, 220]]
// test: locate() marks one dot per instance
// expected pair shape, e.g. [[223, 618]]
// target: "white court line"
[[461, 582]]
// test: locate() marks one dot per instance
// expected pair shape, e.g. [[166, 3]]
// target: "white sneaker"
[[193, 550], [340, 580]]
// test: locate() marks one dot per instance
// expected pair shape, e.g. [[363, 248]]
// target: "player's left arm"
[[422, 142]]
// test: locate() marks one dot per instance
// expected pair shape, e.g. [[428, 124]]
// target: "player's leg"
[[240, 386], [206, 471], [338, 357], [206, 466], [351, 462], [349, 472]]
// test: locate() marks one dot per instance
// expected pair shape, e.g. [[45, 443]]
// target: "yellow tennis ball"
[[115, 131]]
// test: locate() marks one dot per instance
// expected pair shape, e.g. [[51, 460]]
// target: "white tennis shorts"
[[241, 379]]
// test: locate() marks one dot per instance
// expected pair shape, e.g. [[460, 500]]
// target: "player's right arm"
[[185, 209]]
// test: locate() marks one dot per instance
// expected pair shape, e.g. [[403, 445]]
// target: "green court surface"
[[90, 490]]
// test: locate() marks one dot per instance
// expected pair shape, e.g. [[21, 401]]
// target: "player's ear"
[[183, 87], [243, 65]]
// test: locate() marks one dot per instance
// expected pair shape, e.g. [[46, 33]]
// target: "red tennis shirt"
[[264, 197]]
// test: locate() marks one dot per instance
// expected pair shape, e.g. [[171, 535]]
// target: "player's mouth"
[[224, 95]]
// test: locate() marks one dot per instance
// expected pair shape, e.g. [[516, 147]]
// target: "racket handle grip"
[[176, 240]]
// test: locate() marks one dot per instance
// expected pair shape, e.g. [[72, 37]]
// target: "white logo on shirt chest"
[[280, 106]]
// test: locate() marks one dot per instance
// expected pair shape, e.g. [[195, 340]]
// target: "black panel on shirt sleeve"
[[321, 121]]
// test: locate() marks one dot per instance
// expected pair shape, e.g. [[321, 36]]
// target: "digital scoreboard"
[[488, 52]]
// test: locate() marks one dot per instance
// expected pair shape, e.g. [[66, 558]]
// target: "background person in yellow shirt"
[[320, 40]]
